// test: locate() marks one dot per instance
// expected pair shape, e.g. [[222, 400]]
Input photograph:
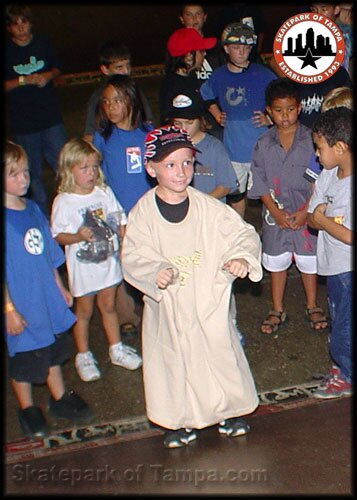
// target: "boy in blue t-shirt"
[[36, 310], [236, 99]]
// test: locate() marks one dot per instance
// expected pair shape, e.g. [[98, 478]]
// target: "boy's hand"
[[222, 119], [36, 79], [259, 119], [319, 213], [283, 219], [237, 267], [297, 220], [85, 233], [165, 277], [15, 323], [41, 80], [67, 297]]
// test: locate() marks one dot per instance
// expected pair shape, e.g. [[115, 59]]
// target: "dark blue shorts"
[[33, 366]]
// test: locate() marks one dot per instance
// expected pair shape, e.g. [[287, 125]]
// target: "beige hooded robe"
[[195, 370]]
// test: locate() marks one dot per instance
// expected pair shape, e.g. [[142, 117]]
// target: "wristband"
[[9, 307], [338, 219], [22, 80]]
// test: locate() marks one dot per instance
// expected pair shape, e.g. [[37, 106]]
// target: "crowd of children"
[[161, 211]]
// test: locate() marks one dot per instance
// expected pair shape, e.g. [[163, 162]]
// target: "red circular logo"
[[309, 48]]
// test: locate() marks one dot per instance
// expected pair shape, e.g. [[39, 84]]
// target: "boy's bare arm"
[[332, 225], [66, 293], [219, 192], [15, 323], [38, 79], [217, 114], [83, 234]]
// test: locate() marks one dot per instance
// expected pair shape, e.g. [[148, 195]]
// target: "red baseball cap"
[[185, 40]]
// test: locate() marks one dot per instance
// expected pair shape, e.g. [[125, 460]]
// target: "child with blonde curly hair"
[[80, 218]]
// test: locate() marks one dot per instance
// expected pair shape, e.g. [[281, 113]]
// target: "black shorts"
[[33, 366], [235, 197]]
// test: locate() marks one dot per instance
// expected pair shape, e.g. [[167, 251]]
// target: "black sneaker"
[[71, 407], [33, 422], [179, 438], [233, 427]]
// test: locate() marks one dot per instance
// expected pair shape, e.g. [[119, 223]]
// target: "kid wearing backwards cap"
[[183, 249], [213, 171], [235, 94]]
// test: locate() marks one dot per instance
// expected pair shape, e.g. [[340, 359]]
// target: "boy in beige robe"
[[183, 249]]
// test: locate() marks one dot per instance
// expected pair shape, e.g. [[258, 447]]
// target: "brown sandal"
[[281, 315], [317, 321], [128, 329]]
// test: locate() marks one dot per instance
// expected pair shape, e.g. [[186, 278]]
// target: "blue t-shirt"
[[31, 256], [213, 167], [123, 164], [239, 95], [31, 108], [313, 170]]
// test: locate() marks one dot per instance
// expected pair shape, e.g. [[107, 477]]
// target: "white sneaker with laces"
[[125, 356], [85, 364]]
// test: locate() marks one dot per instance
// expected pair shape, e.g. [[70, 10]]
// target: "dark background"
[[77, 31]]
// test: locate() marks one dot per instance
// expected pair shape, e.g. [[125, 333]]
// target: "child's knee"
[[84, 313], [106, 305]]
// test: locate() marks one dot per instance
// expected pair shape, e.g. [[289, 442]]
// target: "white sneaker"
[[85, 364], [123, 355]]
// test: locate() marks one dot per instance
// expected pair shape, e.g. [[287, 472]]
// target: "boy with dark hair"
[[280, 158], [114, 59], [331, 212]]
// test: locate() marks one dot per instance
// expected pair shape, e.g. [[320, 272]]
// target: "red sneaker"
[[334, 372], [334, 387]]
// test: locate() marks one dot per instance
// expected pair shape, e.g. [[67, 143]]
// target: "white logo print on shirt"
[[236, 96], [205, 71], [33, 241]]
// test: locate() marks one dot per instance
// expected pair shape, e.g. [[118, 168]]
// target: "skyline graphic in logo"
[[309, 48]]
